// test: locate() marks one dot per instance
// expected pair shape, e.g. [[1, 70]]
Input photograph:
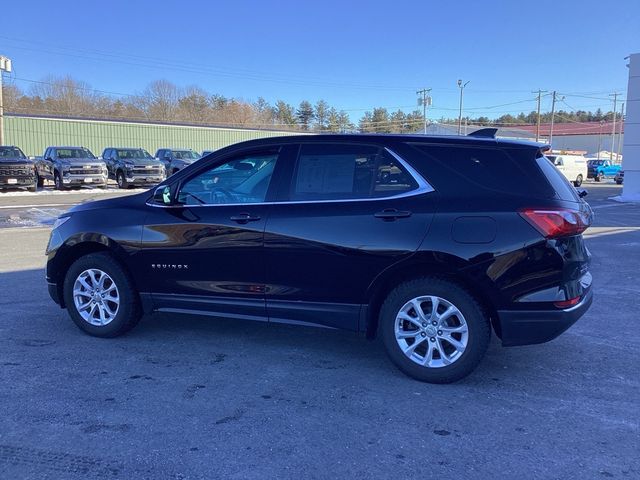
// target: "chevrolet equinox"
[[429, 243]]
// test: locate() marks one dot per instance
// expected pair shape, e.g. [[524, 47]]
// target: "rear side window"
[[488, 168], [560, 184], [345, 171]]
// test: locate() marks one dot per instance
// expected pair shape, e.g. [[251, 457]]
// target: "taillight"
[[559, 222], [567, 303]]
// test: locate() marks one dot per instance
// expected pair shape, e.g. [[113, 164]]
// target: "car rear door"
[[206, 254], [347, 212]]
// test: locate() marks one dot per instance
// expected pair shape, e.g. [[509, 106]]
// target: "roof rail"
[[484, 133]]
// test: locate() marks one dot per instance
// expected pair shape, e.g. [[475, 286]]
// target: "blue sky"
[[355, 55]]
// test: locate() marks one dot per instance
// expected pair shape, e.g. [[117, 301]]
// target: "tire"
[[599, 177], [578, 181], [57, 181], [619, 182], [128, 311], [121, 180], [33, 188], [39, 180], [469, 313]]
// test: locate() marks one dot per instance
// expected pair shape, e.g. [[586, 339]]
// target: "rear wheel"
[[100, 296], [599, 177], [434, 330], [578, 181]]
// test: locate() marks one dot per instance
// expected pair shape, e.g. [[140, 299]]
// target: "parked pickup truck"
[[176, 159], [16, 170], [71, 167], [133, 167], [601, 169]]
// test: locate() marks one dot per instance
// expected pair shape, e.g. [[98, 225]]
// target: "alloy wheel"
[[96, 297], [431, 331]]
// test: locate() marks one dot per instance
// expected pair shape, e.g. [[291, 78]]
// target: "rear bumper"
[[528, 327]]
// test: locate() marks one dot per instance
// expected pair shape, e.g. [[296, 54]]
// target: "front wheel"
[[578, 181], [100, 296], [57, 181], [121, 180], [39, 180], [434, 330]]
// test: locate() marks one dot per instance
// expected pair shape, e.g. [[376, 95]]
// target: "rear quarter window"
[[564, 190], [488, 168]]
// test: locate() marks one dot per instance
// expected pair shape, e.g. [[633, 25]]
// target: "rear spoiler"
[[484, 133]]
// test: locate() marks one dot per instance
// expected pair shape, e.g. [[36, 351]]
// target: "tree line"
[[163, 101]]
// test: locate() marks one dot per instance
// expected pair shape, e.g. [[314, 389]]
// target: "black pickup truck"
[[16, 170], [133, 166]]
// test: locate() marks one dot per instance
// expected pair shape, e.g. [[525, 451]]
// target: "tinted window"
[[560, 184], [336, 172], [488, 168], [243, 179]]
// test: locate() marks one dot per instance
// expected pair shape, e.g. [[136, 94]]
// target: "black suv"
[[463, 235], [71, 167], [16, 170], [131, 167], [176, 159]]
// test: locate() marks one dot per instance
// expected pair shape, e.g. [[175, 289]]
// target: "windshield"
[[64, 153], [11, 152], [133, 154], [185, 155]]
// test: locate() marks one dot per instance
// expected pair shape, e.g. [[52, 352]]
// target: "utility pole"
[[425, 101], [620, 133], [539, 92], [613, 127], [461, 86], [5, 66], [553, 113]]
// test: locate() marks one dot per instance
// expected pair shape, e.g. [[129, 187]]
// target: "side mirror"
[[162, 195], [582, 193]]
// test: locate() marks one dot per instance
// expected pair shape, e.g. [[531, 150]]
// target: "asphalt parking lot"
[[189, 397]]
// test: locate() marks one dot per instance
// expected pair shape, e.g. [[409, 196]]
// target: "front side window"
[[344, 171], [243, 179]]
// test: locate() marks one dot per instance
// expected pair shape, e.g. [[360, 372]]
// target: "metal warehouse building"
[[35, 133]]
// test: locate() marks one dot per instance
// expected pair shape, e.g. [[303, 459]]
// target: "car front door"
[[350, 211], [204, 253]]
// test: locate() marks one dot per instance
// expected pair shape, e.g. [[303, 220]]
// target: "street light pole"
[[461, 86]]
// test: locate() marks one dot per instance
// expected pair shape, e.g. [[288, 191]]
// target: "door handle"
[[390, 214], [243, 218]]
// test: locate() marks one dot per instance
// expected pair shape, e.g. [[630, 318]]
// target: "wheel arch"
[[76, 248], [436, 264]]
